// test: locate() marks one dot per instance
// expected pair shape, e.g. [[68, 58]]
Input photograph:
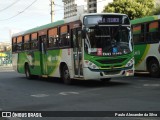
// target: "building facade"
[[97, 6], [74, 7], [5, 53], [5, 46]]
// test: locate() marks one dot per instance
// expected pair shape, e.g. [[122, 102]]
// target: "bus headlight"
[[130, 63], [90, 65]]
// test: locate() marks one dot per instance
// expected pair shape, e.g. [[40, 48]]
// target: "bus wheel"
[[105, 80], [154, 68], [27, 72], [66, 76]]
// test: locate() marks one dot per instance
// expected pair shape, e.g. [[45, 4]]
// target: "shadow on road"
[[98, 83], [82, 83], [142, 74]]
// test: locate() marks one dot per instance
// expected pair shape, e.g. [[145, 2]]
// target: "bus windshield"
[[108, 40]]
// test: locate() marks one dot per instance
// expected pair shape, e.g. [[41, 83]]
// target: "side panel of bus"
[[30, 58], [143, 52], [34, 62], [146, 39], [57, 57], [53, 62]]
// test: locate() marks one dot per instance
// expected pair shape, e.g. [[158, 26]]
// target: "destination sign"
[[111, 20], [105, 19]]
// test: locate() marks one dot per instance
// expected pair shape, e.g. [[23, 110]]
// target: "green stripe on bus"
[[142, 56], [145, 19]]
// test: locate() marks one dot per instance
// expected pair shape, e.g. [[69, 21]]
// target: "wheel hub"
[[154, 67]]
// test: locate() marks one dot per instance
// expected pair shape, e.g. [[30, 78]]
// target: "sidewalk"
[[6, 67]]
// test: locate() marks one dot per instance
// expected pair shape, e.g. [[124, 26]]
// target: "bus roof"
[[50, 25], [103, 14], [145, 19], [60, 22]]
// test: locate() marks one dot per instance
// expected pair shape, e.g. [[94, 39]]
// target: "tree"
[[133, 8], [156, 11]]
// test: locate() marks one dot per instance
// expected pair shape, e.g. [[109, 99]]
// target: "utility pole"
[[52, 10]]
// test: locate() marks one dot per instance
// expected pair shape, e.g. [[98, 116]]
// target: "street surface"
[[139, 93]]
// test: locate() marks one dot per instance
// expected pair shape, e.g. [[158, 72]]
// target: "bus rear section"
[[147, 44]]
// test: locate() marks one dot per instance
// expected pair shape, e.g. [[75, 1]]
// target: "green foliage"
[[133, 8], [156, 11]]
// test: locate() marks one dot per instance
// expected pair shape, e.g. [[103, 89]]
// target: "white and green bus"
[[146, 37], [92, 46]]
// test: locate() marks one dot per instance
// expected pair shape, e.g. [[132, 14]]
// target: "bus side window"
[[142, 33], [34, 44], [64, 36], [34, 41], [27, 42], [19, 43], [14, 44], [136, 38], [137, 34], [147, 33], [153, 30], [53, 38], [45, 41]]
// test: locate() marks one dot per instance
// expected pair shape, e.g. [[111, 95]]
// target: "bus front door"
[[43, 56], [77, 52]]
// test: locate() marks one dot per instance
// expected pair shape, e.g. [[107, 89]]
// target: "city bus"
[[146, 37], [88, 47]]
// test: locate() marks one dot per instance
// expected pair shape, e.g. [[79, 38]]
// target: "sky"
[[28, 17]]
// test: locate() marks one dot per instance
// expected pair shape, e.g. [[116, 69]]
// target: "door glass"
[[43, 47], [77, 52], [80, 52]]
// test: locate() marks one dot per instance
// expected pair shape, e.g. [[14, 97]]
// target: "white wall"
[[101, 4]]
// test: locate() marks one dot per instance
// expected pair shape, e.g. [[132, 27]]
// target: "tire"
[[105, 80], [27, 72], [66, 76], [154, 68]]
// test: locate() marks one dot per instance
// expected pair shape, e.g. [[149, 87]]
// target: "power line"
[[20, 12], [9, 5]]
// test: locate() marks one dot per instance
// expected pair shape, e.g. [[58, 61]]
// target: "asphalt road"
[[139, 93]]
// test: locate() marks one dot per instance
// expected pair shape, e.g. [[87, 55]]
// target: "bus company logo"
[[6, 114]]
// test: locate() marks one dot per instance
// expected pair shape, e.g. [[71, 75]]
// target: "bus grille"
[[111, 61], [112, 72], [115, 66]]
